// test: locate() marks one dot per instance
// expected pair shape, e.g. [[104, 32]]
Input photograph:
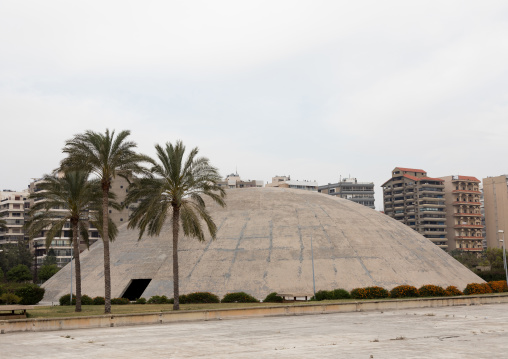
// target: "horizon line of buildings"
[[454, 212]]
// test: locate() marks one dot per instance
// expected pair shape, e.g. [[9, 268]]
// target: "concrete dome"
[[263, 245]]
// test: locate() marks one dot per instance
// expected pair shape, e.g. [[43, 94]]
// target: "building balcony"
[[467, 214], [468, 237], [465, 191], [434, 233], [399, 215], [467, 203], [479, 226], [430, 225]]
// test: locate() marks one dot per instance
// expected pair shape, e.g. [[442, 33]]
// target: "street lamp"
[[504, 255]]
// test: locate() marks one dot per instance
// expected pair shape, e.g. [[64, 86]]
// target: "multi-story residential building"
[[351, 189], [463, 213], [234, 181], [495, 190], [287, 182], [12, 210], [417, 200]]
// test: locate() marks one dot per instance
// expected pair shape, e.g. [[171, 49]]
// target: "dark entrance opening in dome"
[[136, 288]]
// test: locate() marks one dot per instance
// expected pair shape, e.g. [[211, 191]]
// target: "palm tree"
[[175, 188], [61, 200], [105, 156]]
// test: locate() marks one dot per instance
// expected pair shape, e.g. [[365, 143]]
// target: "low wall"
[[102, 321]]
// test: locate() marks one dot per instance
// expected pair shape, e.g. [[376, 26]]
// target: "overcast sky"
[[311, 89]]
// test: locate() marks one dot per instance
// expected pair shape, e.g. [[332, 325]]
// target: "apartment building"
[[417, 200], [463, 213], [495, 191], [287, 182], [349, 188], [234, 181], [12, 210]]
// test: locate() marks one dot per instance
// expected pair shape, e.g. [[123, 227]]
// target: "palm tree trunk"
[[105, 238], [77, 264], [176, 284]]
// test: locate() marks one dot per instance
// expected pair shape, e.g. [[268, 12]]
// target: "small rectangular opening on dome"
[[136, 288]]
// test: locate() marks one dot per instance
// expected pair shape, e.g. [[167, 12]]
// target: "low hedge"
[[120, 301], [99, 301], [199, 297], [158, 299], [273, 298], [239, 297], [141, 301], [369, 293], [498, 286], [452, 291], [430, 290], [404, 291], [477, 288], [30, 294]]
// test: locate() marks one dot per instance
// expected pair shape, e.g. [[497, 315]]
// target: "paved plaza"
[[451, 332]]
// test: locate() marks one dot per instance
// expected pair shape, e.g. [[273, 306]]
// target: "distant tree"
[[47, 271], [50, 258], [20, 273], [106, 156], [14, 254], [1, 275], [174, 191], [495, 257]]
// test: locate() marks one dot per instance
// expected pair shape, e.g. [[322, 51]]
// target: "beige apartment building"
[[62, 244], [463, 213], [12, 210], [417, 200], [495, 191], [234, 181], [349, 188], [287, 182]]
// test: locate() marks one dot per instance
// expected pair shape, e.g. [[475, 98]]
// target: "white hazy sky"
[[311, 89]]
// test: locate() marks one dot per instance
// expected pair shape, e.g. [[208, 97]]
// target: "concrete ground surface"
[[451, 332]]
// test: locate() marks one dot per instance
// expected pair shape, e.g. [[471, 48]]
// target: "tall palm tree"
[[106, 156], [175, 188], [61, 200]]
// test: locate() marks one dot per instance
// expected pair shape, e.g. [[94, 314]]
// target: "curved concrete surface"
[[264, 245]]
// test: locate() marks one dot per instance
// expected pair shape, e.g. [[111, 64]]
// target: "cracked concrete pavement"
[[450, 332]]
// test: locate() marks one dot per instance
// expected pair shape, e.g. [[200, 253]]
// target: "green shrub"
[[404, 291], [369, 293], [477, 288], [183, 299], [273, 298], [322, 295], [452, 291], [48, 271], [158, 299], [99, 301], [20, 273], [9, 298], [200, 297], [86, 300], [30, 294], [239, 297], [1, 276], [430, 290], [340, 294], [141, 301], [498, 286], [120, 301], [66, 299]]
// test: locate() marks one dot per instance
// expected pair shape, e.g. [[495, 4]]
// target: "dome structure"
[[267, 241]]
